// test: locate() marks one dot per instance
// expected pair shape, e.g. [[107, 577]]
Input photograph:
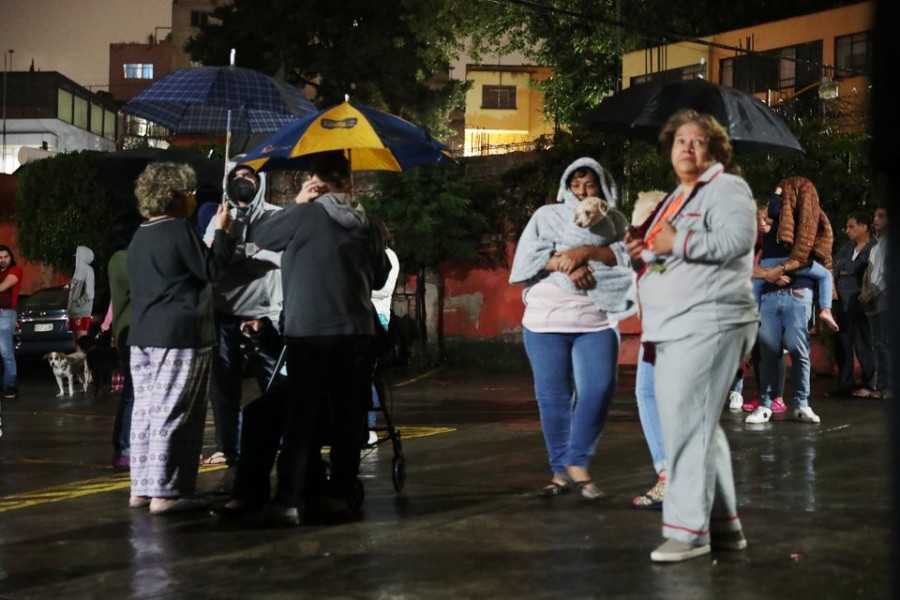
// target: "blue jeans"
[[7, 347], [574, 382], [648, 413], [815, 270], [784, 323]]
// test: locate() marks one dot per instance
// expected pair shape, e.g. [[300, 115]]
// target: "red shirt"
[[10, 298]]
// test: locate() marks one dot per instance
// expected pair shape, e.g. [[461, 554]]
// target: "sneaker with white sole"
[[735, 401], [675, 551], [760, 414], [806, 415]]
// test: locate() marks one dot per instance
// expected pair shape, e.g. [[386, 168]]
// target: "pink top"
[[551, 309]]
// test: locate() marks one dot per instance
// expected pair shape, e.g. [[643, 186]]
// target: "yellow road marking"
[[122, 481]]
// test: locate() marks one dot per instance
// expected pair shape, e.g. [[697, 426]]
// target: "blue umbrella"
[[372, 139], [219, 99]]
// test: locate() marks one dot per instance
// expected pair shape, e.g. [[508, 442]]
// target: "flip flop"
[[214, 459], [182, 505], [141, 504], [864, 393], [554, 489]]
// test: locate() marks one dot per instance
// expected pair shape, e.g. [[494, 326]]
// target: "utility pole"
[[7, 66]]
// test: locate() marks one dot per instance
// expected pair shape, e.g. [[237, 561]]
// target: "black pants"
[[330, 391], [228, 374], [855, 341]]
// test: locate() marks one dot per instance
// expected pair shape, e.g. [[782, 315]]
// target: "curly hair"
[[719, 142], [161, 187]]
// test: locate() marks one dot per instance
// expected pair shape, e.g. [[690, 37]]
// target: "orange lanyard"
[[670, 210]]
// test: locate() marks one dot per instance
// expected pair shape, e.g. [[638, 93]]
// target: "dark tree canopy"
[[370, 50]]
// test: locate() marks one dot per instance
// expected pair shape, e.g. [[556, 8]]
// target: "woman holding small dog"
[[171, 337], [572, 344]]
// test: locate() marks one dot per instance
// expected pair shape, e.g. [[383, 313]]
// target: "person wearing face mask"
[[247, 289]]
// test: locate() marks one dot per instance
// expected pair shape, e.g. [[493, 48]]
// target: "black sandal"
[[554, 489]]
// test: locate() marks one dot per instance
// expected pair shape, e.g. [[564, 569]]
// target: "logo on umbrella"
[[348, 123]]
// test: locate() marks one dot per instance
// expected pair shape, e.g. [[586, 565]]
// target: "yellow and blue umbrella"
[[372, 140]]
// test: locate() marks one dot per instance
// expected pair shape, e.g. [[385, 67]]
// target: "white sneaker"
[[760, 414], [806, 415], [735, 401], [373, 439]]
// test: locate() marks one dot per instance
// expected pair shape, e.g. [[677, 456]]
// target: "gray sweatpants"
[[692, 379]]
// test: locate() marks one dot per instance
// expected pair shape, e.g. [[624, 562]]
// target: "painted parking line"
[[122, 481]]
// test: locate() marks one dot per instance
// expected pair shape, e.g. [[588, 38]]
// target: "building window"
[[670, 75], [792, 67], [498, 96], [199, 18], [138, 70], [853, 54], [64, 106]]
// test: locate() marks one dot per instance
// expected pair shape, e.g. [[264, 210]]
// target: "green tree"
[[60, 204], [366, 49], [432, 217]]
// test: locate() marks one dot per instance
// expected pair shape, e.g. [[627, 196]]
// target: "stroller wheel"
[[399, 472]]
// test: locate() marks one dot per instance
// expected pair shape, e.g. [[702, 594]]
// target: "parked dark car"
[[43, 324]]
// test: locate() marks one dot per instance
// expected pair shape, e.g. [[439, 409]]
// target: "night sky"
[[73, 36]]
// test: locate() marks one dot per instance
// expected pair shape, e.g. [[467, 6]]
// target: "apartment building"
[[813, 65]]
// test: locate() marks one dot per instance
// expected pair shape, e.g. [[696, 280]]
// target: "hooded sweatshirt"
[[250, 285], [552, 229], [332, 260], [81, 289]]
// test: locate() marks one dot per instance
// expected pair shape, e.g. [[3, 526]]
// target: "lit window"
[[138, 70], [498, 96]]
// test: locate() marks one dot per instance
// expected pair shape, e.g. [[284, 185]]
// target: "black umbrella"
[[641, 110]]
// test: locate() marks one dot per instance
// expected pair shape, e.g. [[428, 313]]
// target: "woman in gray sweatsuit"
[[699, 316]]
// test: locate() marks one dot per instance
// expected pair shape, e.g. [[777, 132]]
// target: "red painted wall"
[[481, 304]]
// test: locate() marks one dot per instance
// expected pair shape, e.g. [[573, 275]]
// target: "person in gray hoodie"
[[81, 293], [332, 260], [577, 283], [699, 319], [249, 288]]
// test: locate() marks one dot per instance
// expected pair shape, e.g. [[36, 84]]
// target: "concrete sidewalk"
[[814, 501]]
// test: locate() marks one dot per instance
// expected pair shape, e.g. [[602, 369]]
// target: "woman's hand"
[[222, 218], [664, 241], [583, 278], [310, 190], [568, 260], [773, 274], [634, 245]]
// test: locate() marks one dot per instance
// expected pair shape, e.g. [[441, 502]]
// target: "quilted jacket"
[[804, 226]]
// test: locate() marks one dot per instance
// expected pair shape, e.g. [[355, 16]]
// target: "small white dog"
[[591, 211], [65, 366]]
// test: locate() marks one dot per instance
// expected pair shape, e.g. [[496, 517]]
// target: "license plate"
[[39, 327]]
